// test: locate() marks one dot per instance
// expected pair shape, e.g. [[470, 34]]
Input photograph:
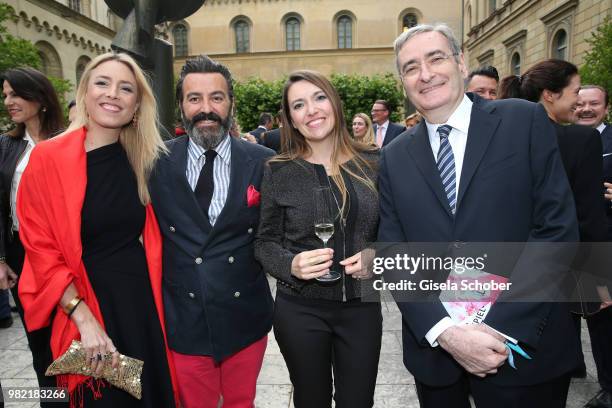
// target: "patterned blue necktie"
[[446, 166]]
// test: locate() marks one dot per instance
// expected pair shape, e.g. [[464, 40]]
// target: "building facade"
[[512, 35], [270, 38], [67, 33]]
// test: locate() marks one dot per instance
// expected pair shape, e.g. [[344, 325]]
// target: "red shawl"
[[49, 204]]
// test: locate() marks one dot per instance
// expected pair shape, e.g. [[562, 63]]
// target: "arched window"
[[75, 5], [292, 34], [345, 32], [51, 64], [179, 32], [80, 67], [559, 47], [492, 6], [409, 20], [241, 30], [515, 64]]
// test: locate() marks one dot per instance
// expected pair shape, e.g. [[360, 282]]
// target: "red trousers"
[[202, 382]]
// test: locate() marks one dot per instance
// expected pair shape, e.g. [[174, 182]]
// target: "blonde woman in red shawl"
[[93, 249]]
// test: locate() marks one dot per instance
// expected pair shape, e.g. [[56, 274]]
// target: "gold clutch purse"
[[125, 377]]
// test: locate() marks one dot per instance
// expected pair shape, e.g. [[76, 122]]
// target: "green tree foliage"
[[17, 52], [597, 68], [357, 92], [255, 96]]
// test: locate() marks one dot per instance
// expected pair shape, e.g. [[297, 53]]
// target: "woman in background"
[[555, 84], [93, 247], [34, 108], [362, 129]]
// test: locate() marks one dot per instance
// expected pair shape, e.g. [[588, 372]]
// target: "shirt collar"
[[223, 149], [459, 119], [385, 125], [601, 127], [28, 138]]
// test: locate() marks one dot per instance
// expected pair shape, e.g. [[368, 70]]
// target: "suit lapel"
[[420, 150], [240, 174], [483, 124], [182, 192]]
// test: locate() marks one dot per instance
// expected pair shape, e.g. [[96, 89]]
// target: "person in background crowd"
[[319, 326], [272, 138], [71, 111], [384, 130], [484, 82], [555, 85], [413, 120], [92, 244], [34, 108], [591, 111], [362, 129], [205, 193], [442, 184], [266, 121]]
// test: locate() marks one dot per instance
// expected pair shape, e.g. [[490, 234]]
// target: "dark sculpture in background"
[[137, 38]]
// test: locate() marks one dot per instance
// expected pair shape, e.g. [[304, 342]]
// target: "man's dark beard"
[[205, 137]]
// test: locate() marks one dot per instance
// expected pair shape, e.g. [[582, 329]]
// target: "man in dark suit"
[[591, 111], [384, 130], [470, 172], [272, 139], [266, 121], [205, 194]]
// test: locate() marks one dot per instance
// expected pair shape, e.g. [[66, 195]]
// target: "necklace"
[[342, 214]]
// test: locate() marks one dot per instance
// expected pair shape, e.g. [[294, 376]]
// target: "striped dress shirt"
[[222, 165]]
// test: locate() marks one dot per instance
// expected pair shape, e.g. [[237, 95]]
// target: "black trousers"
[[316, 337], [600, 331], [39, 341], [552, 394]]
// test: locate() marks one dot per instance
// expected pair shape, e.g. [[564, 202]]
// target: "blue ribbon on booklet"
[[516, 348]]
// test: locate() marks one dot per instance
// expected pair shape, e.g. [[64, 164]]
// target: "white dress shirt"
[[601, 127], [221, 176], [21, 165]]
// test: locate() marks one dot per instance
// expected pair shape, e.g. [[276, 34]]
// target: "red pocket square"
[[253, 196]]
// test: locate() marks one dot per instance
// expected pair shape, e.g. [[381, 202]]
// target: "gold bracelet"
[[69, 308]]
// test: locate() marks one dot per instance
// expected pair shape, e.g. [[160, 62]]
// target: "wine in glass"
[[324, 224]]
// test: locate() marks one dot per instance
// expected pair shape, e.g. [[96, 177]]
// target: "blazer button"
[[250, 230], [236, 294], [230, 259], [172, 229], [192, 295], [198, 260]]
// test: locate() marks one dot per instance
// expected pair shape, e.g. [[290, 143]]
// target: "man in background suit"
[[469, 172], [266, 121], [205, 194], [272, 138], [384, 130], [591, 111]]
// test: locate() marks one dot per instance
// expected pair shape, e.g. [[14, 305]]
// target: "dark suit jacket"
[[513, 189], [272, 139], [215, 292], [393, 131], [257, 133], [606, 139], [581, 152]]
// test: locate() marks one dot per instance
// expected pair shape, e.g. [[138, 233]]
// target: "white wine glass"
[[324, 224]]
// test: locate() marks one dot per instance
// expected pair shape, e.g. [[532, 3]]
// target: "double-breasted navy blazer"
[[513, 189], [216, 296]]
